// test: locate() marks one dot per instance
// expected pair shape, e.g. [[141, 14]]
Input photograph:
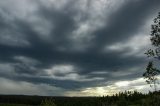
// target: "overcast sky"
[[74, 47]]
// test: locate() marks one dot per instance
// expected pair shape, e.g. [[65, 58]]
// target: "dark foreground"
[[121, 99]]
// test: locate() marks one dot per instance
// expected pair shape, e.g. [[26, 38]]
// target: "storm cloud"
[[71, 46]]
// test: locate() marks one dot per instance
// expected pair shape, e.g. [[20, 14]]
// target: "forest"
[[127, 98]]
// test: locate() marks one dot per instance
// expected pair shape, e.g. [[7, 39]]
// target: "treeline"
[[126, 98]]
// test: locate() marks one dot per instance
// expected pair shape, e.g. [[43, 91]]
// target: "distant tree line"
[[126, 98]]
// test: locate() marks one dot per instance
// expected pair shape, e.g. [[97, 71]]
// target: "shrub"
[[48, 102]]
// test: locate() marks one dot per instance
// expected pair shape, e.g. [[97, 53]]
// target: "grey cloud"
[[55, 47], [22, 87], [126, 22]]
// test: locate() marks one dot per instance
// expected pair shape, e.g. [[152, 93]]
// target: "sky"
[[74, 47]]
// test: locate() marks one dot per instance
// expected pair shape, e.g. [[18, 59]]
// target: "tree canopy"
[[151, 70]]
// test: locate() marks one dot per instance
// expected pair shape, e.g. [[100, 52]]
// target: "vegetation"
[[48, 102], [126, 98], [155, 39], [151, 70], [150, 75], [13, 105]]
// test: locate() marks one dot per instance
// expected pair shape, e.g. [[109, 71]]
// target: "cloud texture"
[[67, 46]]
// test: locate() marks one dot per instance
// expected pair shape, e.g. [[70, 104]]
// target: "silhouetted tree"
[[155, 39], [151, 71], [150, 75]]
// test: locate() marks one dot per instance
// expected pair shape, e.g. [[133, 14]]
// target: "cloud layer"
[[72, 46]]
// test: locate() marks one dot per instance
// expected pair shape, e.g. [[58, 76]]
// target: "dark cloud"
[[57, 47], [126, 22]]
